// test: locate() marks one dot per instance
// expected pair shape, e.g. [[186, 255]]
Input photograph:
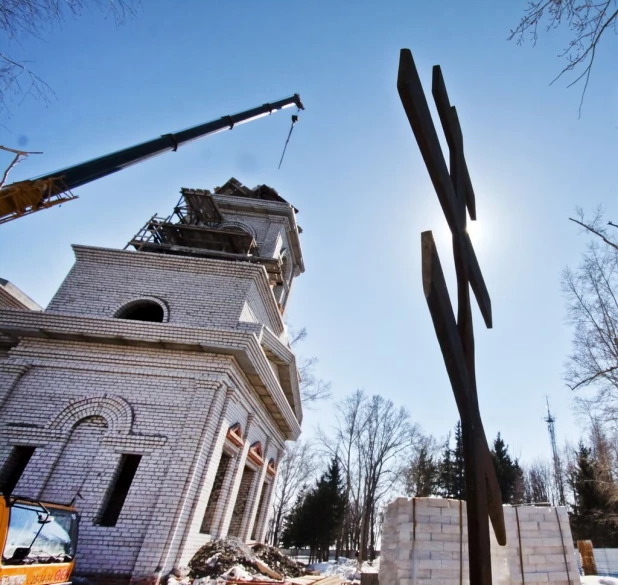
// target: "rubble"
[[232, 559], [277, 561]]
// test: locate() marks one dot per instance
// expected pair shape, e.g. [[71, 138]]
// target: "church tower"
[[158, 387]]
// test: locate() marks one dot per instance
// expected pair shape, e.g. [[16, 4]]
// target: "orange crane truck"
[[38, 540]]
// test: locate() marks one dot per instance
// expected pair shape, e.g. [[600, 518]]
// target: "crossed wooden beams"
[[456, 335]]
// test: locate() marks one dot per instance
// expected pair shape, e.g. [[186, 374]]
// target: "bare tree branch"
[[36, 18], [591, 294], [589, 228], [588, 21], [19, 156], [312, 388]]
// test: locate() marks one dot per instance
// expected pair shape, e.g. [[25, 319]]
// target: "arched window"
[[142, 310], [282, 288]]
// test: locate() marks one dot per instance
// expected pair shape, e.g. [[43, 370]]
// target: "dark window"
[[260, 510], [119, 489], [142, 311], [215, 495], [14, 467]]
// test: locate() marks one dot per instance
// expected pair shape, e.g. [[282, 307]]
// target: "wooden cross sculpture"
[[456, 336]]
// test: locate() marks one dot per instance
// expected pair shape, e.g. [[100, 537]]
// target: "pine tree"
[[446, 479], [421, 477], [519, 485], [593, 511], [316, 516], [506, 470], [459, 472]]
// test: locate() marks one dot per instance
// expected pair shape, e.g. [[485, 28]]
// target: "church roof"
[[235, 188]]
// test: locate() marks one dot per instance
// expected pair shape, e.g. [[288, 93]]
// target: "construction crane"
[[25, 197], [551, 420]]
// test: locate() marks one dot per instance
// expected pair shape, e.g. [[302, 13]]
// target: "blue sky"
[[352, 168]]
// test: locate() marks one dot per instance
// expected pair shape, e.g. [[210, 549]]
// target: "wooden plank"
[[416, 108], [477, 282], [452, 128], [441, 311], [369, 579], [586, 552]]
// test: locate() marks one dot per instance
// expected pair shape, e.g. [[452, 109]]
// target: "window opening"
[[242, 499], [119, 489], [142, 311], [215, 495], [260, 510], [14, 468]]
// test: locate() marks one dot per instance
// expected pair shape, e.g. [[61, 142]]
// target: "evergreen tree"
[[519, 486], [446, 480], [315, 518], [459, 472], [593, 511], [507, 470], [421, 477]]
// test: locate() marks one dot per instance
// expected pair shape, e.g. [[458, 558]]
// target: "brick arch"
[[239, 225], [286, 261], [115, 410], [138, 300]]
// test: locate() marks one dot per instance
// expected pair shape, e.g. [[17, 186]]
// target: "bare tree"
[[344, 445], [371, 440], [591, 294], [588, 21], [297, 469], [388, 434], [539, 483], [35, 18], [312, 388]]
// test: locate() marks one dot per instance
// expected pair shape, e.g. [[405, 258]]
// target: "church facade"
[[158, 387]]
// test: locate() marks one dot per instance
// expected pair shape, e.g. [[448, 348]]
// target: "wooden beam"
[[478, 282], [452, 130], [445, 325], [416, 108]]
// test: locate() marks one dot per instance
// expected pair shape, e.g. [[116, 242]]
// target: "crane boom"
[[24, 197]]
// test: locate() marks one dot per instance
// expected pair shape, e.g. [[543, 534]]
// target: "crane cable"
[[294, 120]]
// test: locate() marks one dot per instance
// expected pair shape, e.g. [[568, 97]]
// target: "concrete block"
[[429, 545], [444, 574], [429, 564], [451, 529], [444, 537], [440, 519], [557, 576], [535, 577]]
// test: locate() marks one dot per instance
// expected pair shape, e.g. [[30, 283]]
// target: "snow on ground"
[[596, 579], [347, 569]]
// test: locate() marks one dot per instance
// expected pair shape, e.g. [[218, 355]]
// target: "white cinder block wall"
[[424, 542], [85, 389]]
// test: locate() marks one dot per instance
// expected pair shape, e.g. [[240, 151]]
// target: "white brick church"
[[158, 387]]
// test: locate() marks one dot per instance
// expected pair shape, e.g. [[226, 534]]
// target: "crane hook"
[[294, 120]]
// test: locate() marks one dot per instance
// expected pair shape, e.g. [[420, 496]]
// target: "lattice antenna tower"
[[551, 421]]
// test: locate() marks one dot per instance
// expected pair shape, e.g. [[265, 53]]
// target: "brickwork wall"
[[86, 389], [424, 542], [214, 292], [155, 403], [270, 231]]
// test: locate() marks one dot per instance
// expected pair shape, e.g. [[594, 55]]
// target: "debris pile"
[[276, 560], [233, 560]]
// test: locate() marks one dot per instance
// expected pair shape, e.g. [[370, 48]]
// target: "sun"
[[475, 230]]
